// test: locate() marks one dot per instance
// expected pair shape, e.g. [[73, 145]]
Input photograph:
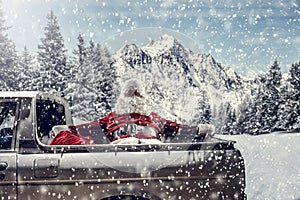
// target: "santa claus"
[[131, 122]]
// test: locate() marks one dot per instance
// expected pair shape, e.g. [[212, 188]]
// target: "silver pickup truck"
[[30, 168]]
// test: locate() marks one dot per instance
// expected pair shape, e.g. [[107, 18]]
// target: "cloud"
[[235, 24]]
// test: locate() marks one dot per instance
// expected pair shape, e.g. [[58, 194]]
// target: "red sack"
[[68, 138]]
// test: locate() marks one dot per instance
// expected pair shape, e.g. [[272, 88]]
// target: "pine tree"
[[203, 115], [274, 97], [81, 51], [255, 113], [80, 93], [246, 114], [26, 72], [52, 58], [77, 72], [93, 80], [101, 79], [8, 59], [264, 111], [104, 80], [295, 79], [290, 109], [218, 117], [231, 120]]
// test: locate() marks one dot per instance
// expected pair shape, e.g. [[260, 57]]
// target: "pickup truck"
[[30, 168]]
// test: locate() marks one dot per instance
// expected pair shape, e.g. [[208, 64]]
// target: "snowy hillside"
[[272, 165], [174, 74]]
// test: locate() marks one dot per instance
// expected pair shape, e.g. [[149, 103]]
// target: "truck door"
[[38, 171], [8, 116]]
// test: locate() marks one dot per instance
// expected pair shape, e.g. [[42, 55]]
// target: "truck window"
[[49, 114], [7, 121]]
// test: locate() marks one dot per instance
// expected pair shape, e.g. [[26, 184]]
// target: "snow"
[[272, 165], [179, 77], [134, 140], [166, 42]]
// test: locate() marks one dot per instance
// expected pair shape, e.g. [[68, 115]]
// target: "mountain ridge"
[[170, 63]]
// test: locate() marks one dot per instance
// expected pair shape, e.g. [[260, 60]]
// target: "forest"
[[85, 77]]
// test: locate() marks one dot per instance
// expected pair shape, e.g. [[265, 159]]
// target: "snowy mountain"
[[174, 74]]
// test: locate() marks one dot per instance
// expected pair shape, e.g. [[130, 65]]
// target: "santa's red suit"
[[67, 137], [134, 124], [117, 126], [128, 122]]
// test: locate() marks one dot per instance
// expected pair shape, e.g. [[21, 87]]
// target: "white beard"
[[133, 99], [134, 104]]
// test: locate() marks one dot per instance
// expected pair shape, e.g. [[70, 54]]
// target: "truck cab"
[[30, 168], [24, 117]]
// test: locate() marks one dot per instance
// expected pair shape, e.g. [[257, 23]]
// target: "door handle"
[[3, 166]]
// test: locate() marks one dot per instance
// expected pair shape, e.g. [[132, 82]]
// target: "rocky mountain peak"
[[130, 49], [165, 44], [167, 64]]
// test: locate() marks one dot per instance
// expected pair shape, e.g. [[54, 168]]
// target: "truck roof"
[[19, 94], [38, 95], [33, 94]]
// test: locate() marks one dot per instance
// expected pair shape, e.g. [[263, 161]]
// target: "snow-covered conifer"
[[263, 113], [230, 122], [52, 58], [26, 72], [8, 59], [290, 108]]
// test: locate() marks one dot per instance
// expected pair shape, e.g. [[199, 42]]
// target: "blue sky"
[[244, 35]]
